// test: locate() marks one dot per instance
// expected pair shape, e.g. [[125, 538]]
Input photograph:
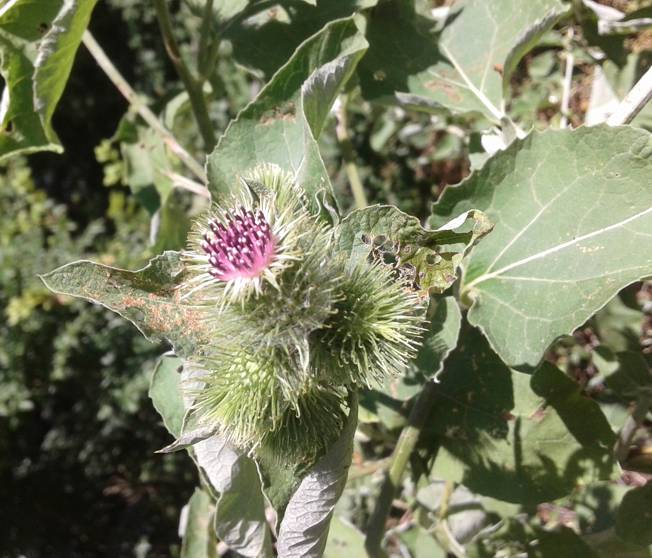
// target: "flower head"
[[237, 247], [240, 249], [296, 322]]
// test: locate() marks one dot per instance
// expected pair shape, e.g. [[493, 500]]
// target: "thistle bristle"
[[295, 323]]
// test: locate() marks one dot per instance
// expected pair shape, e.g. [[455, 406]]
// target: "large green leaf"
[[466, 67], [266, 41], [148, 298], [281, 125], [506, 439], [433, 256], [38, 42], [573, 211]]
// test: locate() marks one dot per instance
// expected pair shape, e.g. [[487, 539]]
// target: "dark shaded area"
[[78, 473]]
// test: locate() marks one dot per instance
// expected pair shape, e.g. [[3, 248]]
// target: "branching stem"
[[138, 104], [398, 462]]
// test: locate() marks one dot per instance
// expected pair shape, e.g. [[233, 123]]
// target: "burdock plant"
[[295, 323], [280, 313]]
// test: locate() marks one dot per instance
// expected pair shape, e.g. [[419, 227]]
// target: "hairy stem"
[[398, 462], [348, 154], [193, 86], [138, 104]]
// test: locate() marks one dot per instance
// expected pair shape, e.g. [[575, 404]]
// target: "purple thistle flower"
[[242, 247], [247, 242]]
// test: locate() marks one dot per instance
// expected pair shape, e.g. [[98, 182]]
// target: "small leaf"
[[388, 404], [344, 539], [146, 164], [569, 207], [240, 514], [434, 255], [165, 393], [148, 298], [38, 42], [281, 125], [634, 520], [189, 438], [618, 325], [627, 373], [304, 529], [561, 543]]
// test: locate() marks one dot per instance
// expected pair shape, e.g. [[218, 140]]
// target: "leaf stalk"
[[398, 462]]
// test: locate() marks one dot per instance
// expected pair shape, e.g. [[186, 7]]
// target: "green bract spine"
[[295, 323]]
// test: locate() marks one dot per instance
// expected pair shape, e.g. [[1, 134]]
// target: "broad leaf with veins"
[[282, 124], [466, 67], [573, 223]]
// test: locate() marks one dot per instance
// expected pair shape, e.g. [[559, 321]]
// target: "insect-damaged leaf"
[[148, 298], [433, 255]]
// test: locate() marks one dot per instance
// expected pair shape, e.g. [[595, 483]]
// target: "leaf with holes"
[[572, 213], [148, 298], [433, 256]]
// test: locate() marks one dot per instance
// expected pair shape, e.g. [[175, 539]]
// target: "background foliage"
[[77, 428]]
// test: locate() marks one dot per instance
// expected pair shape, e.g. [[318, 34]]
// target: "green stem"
[[404, 447], [193, 86], [348, 154], [204, 35], [137, 104], [208, 48]]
